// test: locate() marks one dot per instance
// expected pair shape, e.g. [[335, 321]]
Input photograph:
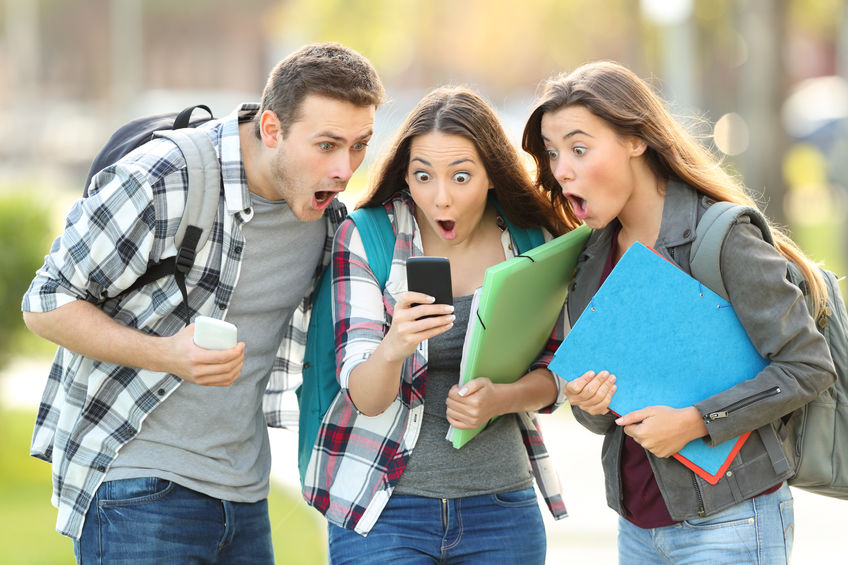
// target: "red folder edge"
[[713, 479]]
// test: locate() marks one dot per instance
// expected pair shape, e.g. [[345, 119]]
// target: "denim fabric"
[[758, 531], [154, 521], [501, 528]]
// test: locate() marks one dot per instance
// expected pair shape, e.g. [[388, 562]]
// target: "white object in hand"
[[210, 333]]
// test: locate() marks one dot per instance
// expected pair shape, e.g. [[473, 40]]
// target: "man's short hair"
[[327, 69]]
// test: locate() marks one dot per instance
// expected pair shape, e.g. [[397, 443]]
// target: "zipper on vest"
[[741, 404]]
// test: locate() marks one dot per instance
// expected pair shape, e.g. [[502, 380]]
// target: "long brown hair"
[[459, 111], [629, 105]]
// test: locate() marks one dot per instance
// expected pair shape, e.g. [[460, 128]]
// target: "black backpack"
[[204, 184]]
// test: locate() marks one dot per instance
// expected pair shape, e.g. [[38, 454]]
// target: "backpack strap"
[[203, 194], [378, 237], [525, 238], [204, 187], [319, 386], [705, 257], [183, 119]]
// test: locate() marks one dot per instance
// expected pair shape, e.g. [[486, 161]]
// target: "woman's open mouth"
[[578, 204], [447, 227]]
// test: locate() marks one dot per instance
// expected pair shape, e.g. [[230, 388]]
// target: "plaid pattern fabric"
[[357, 460], [89, 409]]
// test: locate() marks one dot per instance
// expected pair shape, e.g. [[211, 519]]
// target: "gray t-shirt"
[[494, 461], [213, 439]]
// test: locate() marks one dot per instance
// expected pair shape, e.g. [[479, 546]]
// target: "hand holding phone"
[[211, 333], [431, 276]]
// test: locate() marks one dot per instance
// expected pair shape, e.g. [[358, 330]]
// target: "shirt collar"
[[236, 194]]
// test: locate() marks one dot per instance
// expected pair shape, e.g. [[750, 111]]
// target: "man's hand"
[[83, 328], [205, 367]]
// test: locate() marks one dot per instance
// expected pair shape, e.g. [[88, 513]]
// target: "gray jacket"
[[773, 312]]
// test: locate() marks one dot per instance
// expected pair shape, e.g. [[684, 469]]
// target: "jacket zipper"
[[701, 511], [723, 413]]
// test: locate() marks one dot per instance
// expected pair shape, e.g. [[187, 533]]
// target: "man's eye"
[[360, 146], [462, 178], [326, 145], [421, 176]]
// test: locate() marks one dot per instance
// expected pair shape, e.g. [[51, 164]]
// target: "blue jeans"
[[492, 528], [154, 521], [756, 531]]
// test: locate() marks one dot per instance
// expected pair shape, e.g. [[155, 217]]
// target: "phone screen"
[[430, 275]]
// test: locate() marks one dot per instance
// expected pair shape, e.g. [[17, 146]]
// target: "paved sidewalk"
[[586, 536]]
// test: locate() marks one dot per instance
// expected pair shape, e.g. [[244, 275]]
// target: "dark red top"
[[643, 503]]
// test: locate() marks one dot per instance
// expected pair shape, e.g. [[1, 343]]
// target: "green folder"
[[514, 312]]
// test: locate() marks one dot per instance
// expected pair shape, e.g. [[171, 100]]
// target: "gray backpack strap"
[[204, 182], [204, 188], [705, 257]]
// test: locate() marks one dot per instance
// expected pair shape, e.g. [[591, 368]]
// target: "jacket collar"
[[679, 218], [680, 215]]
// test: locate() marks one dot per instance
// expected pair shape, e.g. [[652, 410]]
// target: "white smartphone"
[[210, 333]]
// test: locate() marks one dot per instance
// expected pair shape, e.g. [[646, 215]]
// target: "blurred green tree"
[[24, 239]]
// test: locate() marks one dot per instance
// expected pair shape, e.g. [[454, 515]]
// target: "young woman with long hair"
[[611, 154]]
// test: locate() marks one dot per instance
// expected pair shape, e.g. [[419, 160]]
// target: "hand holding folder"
[[669, 340], [514, 312]]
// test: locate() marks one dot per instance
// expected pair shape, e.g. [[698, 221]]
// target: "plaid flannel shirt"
[[357, 460], [89, 409]]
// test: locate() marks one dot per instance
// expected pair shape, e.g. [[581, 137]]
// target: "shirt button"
[[101, 468], [686, 233], [306, 365], [161, 392], [237, 249], [221, 306]]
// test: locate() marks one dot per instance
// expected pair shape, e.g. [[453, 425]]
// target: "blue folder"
[[669, 341]]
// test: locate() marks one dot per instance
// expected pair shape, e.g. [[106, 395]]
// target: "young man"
[[159, 448]]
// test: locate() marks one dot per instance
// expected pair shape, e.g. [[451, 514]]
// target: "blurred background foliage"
[[754, 77], [763, 82], [24, 233]]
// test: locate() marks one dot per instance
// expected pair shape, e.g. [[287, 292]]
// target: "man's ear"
[[270, 129]]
